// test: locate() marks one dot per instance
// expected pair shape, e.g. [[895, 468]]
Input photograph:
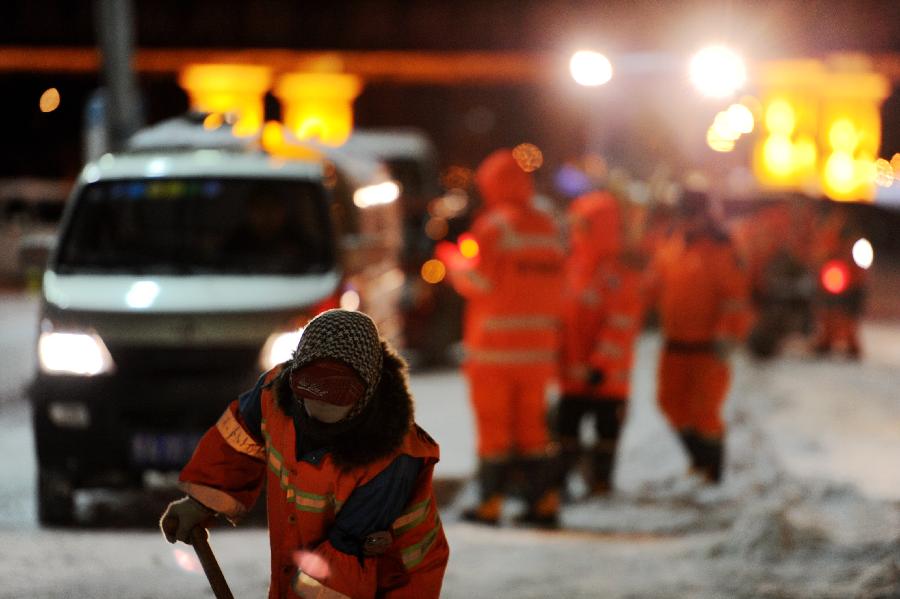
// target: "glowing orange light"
[[274, 142], [213, 120], [528, 156], [468, 247], [433, 271], [49, 100], [835, 276], [229, 88], [319, 105]]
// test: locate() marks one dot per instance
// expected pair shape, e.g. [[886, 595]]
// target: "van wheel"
[[56, 499]]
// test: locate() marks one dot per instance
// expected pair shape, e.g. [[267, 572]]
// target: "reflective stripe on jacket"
[[603, 317], [513, 315]]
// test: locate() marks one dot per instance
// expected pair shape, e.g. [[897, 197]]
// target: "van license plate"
[[173, 449]]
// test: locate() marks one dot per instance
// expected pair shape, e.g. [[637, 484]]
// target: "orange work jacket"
[[700, 290], [513, 312], [309, 500], [603, 307]]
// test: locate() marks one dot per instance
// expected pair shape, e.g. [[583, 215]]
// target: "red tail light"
[[835, 276]]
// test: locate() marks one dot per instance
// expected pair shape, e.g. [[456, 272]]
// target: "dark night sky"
[[764, 29], [769, 27]]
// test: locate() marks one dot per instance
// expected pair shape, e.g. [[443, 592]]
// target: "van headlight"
[[278, 348], [73, 353]]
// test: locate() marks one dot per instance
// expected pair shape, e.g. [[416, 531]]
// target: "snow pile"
[[882, 579]]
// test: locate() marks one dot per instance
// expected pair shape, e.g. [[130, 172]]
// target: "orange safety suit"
[[325, 506], [602, 302], [602, 318], [512, 315], [701, 294]]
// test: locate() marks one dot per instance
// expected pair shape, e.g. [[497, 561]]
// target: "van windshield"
[[201, 225]]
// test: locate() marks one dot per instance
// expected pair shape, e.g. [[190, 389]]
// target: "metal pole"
[[115, 33]]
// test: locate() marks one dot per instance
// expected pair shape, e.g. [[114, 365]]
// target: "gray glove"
[[182, 516]]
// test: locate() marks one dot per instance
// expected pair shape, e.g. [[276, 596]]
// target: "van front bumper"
[[109, 430]]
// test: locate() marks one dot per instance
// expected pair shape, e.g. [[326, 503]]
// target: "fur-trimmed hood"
[[379, 429]]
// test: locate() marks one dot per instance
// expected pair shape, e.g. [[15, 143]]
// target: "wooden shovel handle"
[[210, 565]]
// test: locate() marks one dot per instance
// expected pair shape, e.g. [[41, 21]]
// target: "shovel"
[[210, 565]]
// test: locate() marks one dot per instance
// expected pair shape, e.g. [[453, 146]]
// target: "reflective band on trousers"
[[237, 438], [529, 322], [510, 356]]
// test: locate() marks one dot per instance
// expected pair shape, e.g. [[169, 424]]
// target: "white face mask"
[[325, 412]]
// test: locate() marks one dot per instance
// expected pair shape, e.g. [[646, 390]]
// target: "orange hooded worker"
[[701, 295], [602, 318], [511, 338], [347, 472]]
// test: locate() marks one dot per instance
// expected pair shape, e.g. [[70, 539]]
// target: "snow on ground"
[[810, 508]]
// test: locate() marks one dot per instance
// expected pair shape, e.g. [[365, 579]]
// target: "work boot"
[[691, 443], [544, 513], [487, 512], [603, 458], [492, 476], [712, 452], [570, 453], [542, 494]]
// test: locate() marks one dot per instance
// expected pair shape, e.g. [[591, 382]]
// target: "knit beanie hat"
[[350, 337]]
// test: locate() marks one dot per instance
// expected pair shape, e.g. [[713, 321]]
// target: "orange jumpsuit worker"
[[347, 471], [602, 318], [511, 338], [701, 295]]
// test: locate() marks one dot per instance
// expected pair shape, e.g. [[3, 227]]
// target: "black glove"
[[595, 377], [182, 516]]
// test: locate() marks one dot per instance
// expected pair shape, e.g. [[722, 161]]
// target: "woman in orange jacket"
[[347, 472], [701, 294], [511, 338], [602, 318]]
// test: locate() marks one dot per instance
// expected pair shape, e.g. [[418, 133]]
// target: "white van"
[[179, 275]]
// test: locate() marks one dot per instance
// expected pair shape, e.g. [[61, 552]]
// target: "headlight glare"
[[73, 353], [279, 347]]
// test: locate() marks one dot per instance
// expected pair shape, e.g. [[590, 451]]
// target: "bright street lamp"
[[590, 68], [717, 71]]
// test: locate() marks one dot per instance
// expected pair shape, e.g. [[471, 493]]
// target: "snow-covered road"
[[811, 506]]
